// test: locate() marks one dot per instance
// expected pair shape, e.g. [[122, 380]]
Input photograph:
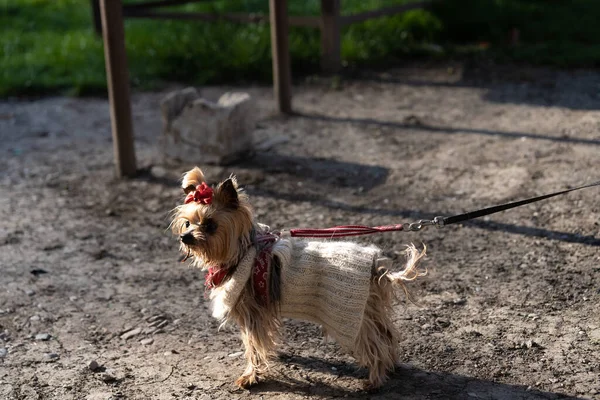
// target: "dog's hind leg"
[[376, 344], [377, 341]]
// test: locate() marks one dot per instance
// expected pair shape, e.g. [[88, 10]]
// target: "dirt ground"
[[95, 305]]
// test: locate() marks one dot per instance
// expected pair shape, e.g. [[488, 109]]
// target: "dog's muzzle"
[[187, 238]]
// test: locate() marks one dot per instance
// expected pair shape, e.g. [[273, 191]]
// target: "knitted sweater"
[[321, 281]]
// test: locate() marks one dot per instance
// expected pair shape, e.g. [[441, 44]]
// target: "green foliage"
[[49, 46], [562, 33]]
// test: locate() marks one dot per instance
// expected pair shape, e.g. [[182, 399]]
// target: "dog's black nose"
[[187, 238]]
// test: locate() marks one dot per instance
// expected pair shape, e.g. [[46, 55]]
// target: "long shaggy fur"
[[259, 327], [219, 235], [381, 356]]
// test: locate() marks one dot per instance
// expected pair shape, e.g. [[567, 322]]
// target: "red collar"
[[260, 270], [215, 277]]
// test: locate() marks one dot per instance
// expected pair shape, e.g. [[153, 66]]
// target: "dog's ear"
[[226, 194], [191, 179]]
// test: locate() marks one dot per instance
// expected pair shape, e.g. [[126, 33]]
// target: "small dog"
[[256, 276]]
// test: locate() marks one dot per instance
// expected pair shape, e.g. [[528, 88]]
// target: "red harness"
[[260, 269]]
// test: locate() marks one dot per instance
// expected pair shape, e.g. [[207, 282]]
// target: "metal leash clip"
[[417, 226]]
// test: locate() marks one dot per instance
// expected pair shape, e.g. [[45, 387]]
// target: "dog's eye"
[[186, 224], [209, 226]]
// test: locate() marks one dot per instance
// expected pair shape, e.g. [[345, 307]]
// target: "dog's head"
[[214, 224]]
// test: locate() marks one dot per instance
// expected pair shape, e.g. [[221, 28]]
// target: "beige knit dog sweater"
[[321, 281]]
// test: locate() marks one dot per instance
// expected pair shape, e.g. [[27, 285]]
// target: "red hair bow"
[[203, 194]]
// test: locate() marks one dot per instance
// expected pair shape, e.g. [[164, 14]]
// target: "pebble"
[[131, 333], [531, 343], [236, 354], [34, 318], [93, 365], [51, 356], [3, 352], [43, 336], [73, 298], [108, 377], [444, 323], [268, 143], [158, 171], [162, 324], [30, 292], [594, 336], [155, 318], [147, 341]]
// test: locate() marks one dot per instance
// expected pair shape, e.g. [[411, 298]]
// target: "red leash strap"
[[344, 230]]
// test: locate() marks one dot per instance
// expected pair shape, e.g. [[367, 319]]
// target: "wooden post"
[[282, 76], [113, 33], [331, 60]]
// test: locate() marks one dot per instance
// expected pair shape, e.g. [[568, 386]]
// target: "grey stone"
[[93, 366], [197, 130], [43, 336], [131, 333], [594, 336], [3, 352], [147, 342], [158, 172], [271, 142], [108, 377]]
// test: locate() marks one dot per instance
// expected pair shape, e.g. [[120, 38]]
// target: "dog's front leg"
[[259, 345]]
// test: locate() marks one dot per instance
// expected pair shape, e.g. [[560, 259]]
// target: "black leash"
[[442, 221], [357, 230]]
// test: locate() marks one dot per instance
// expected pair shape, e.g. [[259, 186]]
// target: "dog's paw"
[[246, 381], [371, 387]]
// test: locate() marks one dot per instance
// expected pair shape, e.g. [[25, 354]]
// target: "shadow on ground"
[[405, 383], [418, 125], [323, 170], [531, 86]]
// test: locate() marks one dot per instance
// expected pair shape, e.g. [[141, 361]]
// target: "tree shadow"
[[446, 130], [324, 170], [512, 84], [405, 382]]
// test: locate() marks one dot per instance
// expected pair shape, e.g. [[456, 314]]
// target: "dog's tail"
[[411, 270]]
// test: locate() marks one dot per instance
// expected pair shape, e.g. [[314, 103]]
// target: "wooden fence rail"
[[108, 19]]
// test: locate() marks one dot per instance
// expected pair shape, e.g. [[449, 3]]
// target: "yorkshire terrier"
[[256, 277]]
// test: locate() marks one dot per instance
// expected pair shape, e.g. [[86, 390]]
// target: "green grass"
[[49, 46]]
